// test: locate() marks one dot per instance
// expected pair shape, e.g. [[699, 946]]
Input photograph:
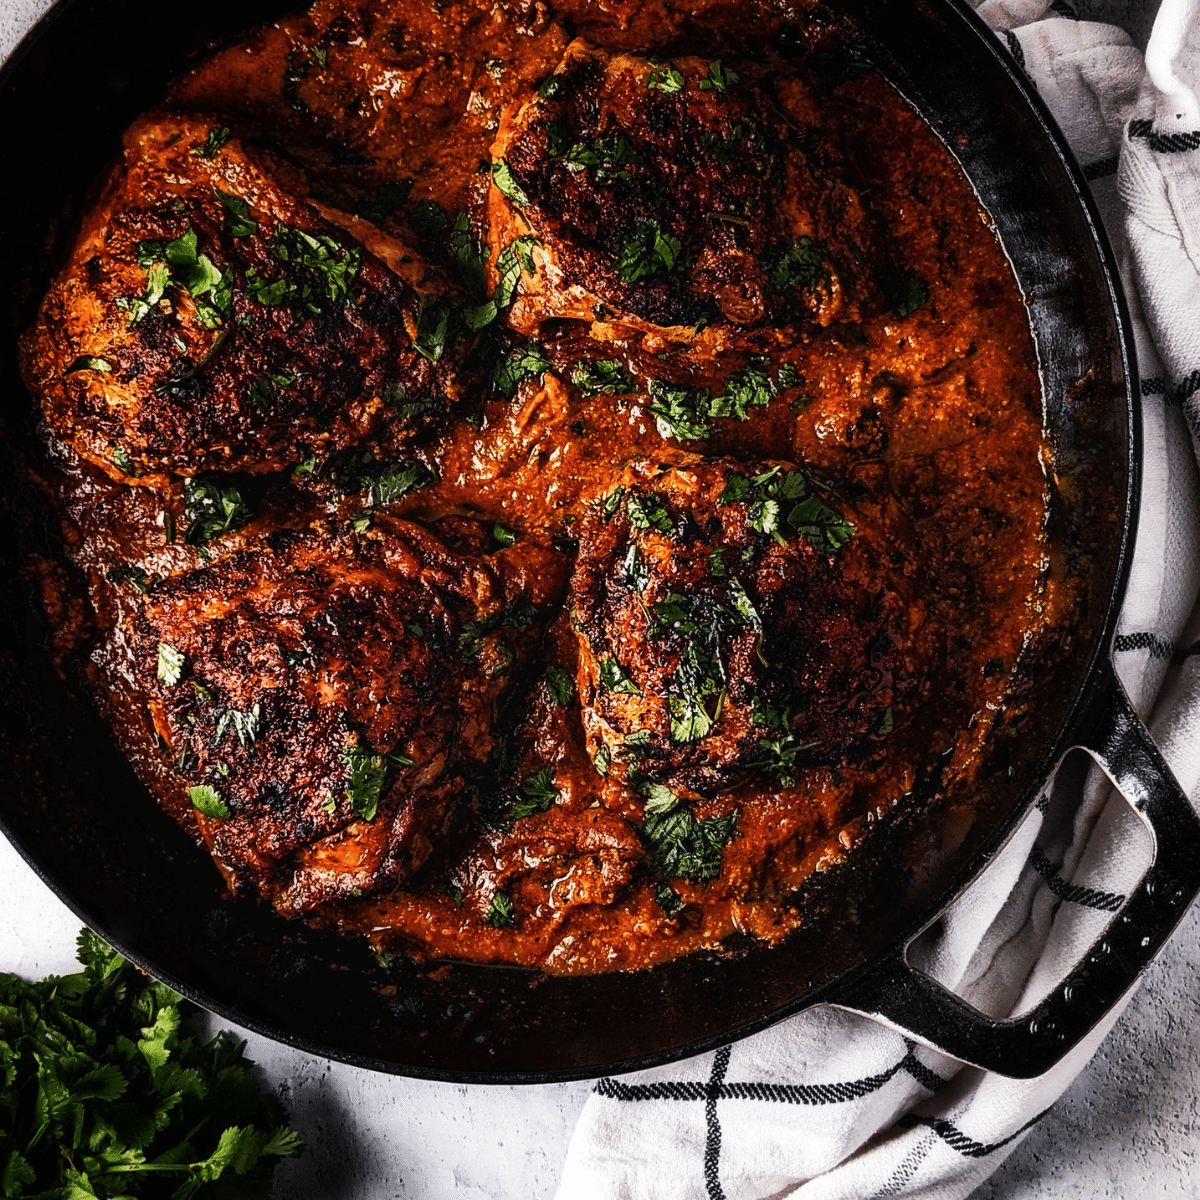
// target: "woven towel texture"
[[828, 1106]]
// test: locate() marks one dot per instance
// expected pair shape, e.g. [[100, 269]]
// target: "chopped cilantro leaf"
[[789, 376], [433, 326], [700, 625], [88, 362], [744, 389], [607, 155], [612, 502], [763, 517], [468, 261], [794, 266], [211, 509], [668, 900], [238, 222], [262, 391], [501, 913], [385, 482], [634, 571], [170, 664], [156, 287], [616, 679], [719, 78], [509, 267], [208, 801], [428, 220], [646, 252], [320, 271], [214, 142], [501, 537], [520, 614], [538, 793], [120, 573], [680, 412], [825, 530], [393, 480], [606, 375], [736, 491], [683, 847], [650, 512], [367, 770], [246, 725], [560, 685], [525, 362], [906, 292], [502, 177], [724, 149], [123, 462], [551, 88], [666, 79], [602, 762]]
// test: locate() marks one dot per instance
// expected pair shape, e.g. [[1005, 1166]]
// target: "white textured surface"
[[1126, 1129]]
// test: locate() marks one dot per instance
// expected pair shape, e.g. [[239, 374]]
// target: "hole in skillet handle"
[[1030, 1045]]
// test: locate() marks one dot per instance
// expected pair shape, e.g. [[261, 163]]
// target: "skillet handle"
[[1030, 1045]]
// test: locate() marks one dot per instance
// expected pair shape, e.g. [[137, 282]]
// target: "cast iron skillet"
[[72, 806]]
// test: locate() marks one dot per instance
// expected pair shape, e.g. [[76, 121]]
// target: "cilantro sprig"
[[648, 251], [681, 845], [779, 501], [367, 771], [719, 79], [212, 508], [181, 264], [687, 413], [607, 376], [700, 626], [103, 1094], [667, 79], [318, 272]]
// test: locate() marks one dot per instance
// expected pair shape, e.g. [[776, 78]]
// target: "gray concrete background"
[[1127, 1128]]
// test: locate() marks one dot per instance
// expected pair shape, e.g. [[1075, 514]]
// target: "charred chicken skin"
[[317, 693], [731, 619], [211, 319], [672, 195]]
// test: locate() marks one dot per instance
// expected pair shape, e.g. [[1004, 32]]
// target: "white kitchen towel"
[[828, 1105]]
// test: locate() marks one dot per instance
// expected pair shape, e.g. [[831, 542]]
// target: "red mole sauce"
[[922, 412]]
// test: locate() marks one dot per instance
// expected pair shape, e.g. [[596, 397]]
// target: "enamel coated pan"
[[74, 809]]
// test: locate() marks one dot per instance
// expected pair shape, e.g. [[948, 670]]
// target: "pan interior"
[[75, 809]]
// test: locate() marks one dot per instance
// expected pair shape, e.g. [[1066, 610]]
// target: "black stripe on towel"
[[771, 1093], [1163, 143], [1144, 641], [1072, 892], [955, 1138], [712, 1140], [1187, 388], [1014, 48], [1101, 169]]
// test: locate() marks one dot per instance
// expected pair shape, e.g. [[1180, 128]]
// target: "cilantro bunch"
[[101, 1096]]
